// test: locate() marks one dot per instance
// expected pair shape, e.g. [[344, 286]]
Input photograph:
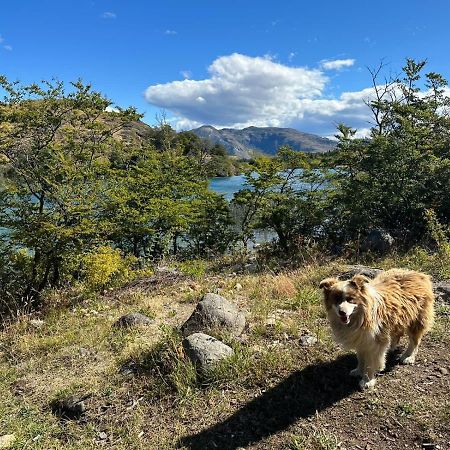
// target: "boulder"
[[351, 271], [214, 311], [205, 351], [379, 241], [133, 319]]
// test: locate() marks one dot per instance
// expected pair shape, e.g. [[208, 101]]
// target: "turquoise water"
[[227, 186]]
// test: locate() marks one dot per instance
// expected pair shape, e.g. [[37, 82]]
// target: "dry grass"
[[142, 393]]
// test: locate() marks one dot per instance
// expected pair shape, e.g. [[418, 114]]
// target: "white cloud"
[[336, 64], [242, 91], [170, 32], [108, 15], [8, 47], [1, 39]]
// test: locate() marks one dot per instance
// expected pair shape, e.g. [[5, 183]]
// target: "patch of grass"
[[405, 409], [317, 440], [195, 268]]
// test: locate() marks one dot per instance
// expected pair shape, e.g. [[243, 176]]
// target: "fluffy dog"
[[370, 316]]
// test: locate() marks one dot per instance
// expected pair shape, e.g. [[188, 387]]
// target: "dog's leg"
[[395, 339], [415, 336], [374, 362], [359, 370]]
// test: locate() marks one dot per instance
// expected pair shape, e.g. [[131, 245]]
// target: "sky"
[[299, 64]]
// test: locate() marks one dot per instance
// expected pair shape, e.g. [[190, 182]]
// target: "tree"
[[390, 179], [286, 194], [54, 146], [159, 198]]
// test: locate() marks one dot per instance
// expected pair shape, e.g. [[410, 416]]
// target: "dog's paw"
[[408, 360], [355, 373], [366, 384]]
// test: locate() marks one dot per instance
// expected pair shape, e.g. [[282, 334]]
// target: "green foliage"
[[286, 194], [194, 268], [70, 185], [391, 179], [54, 147]]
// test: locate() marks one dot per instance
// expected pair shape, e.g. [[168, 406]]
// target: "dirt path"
[[321, 404]]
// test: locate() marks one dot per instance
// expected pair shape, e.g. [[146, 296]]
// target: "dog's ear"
[[327, 283], [358, 281]]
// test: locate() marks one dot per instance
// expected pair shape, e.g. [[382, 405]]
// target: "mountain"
[[267, 140]]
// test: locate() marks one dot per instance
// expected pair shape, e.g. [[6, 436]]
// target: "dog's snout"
[[342, 313]]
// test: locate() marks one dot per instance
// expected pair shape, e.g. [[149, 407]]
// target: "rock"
[[442, 291], [308, 340], [72, 407], [84, 352], [7, 440], [205, 351], [443, 370], [133, 319], [351, 271], [36, 323], [128, 369], [379, 241], [214, 311], [238, 287], [102, 435]]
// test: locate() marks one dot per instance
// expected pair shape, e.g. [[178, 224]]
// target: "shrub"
[[106, 267]]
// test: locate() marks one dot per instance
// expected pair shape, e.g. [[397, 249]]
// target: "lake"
[[227, 186]]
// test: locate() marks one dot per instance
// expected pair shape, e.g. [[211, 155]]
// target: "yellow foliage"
[[107, 267]]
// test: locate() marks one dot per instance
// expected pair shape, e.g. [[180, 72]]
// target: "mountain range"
[[267, 140]]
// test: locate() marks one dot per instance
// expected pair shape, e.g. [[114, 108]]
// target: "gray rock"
[[442, 291], [308, 340], [133, 319], [205, 351], [214, 311], [72, 407], [379, 241], [351, 271]]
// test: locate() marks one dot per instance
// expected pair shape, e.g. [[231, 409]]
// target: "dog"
[[370, 316]]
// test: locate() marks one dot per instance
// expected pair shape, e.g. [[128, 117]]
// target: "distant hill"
[[266, 140]]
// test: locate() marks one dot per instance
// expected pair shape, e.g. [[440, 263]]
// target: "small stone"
[[71, 407], [37, 323], [308, 340], [102, 435], [7, 440], [270, 322], [238, 287], [443, 370], [133, 319], [84, 352]]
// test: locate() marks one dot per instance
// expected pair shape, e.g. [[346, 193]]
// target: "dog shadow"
[[301, 395]]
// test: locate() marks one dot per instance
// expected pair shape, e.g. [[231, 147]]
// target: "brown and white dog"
[[370, 316]]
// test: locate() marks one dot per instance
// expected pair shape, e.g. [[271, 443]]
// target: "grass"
[[142, 391]]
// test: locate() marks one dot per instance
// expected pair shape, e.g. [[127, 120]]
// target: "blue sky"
[[286, 63]]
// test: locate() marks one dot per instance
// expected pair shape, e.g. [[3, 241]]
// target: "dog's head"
[[345, 298]]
